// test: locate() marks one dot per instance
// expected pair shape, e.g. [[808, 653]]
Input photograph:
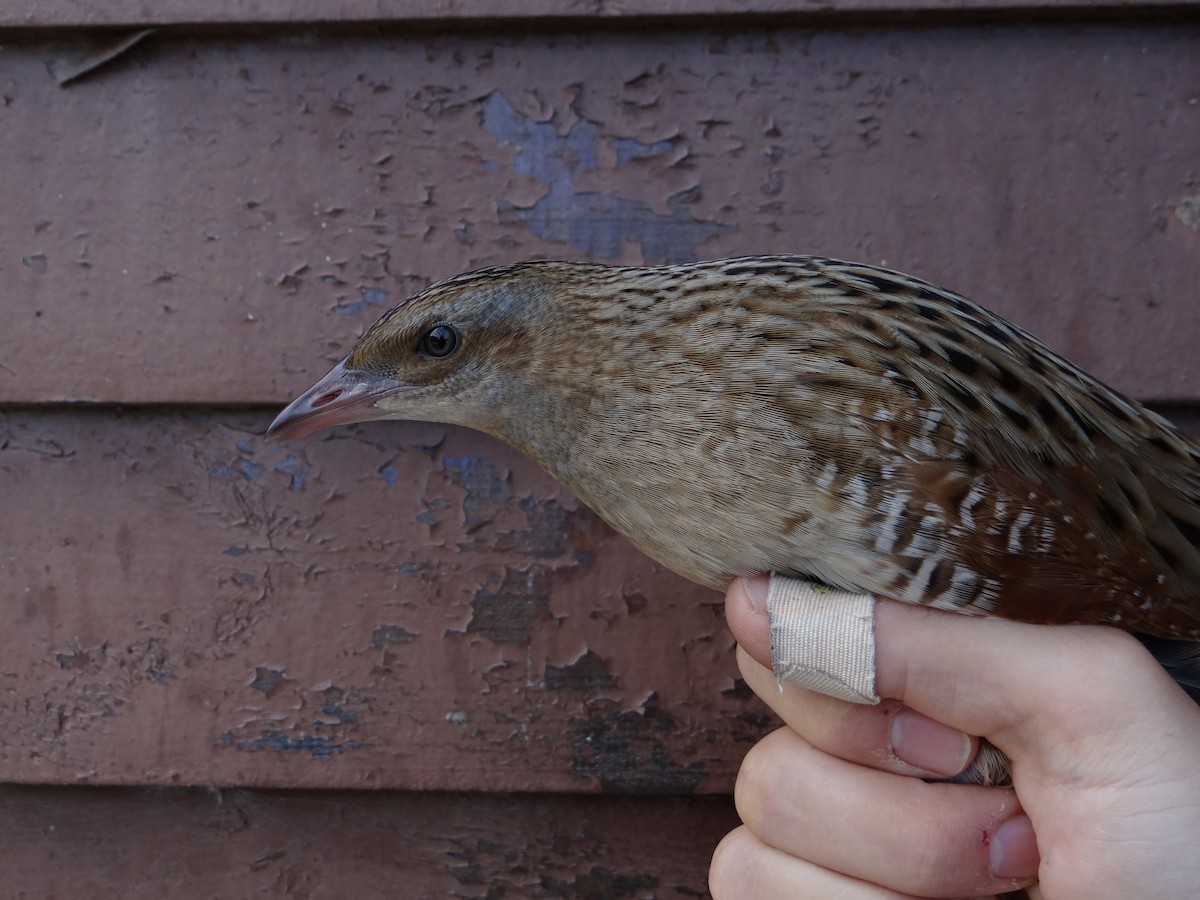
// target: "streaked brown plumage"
[[816, 418]]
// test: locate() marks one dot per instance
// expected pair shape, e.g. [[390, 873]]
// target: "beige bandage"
[[823, 639]]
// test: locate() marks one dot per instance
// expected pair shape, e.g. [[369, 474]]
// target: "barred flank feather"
[[816, 418]]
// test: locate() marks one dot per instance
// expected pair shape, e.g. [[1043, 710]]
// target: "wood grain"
[[212, 220], [392, 606], [139, 844], [201, 223], [110, 13]]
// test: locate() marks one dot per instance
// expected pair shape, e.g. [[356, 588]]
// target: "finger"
[[746, 615], [927, 839], [744, 868], [1103, 741], [887, 736], [978, 676], [1091, 683]]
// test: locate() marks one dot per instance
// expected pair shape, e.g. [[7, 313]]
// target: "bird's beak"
[[342, 396]]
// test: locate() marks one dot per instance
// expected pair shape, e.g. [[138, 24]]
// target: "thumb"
[[1010, 682]]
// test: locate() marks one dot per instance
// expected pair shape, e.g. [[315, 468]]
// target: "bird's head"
[[462, 352]]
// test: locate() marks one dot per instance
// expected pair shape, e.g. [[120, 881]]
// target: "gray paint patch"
[[317, 747], [595, 222], [1187, 211]]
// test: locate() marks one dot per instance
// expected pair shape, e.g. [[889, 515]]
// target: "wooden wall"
[[396, 660]]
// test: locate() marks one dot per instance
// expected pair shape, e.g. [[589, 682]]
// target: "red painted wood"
[[74, 14], [140, 845], [392, 606], [212, 220], [207, 220]]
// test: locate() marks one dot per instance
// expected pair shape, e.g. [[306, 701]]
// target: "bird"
[[815, 418]]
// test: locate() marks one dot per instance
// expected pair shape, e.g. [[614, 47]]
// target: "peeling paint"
[[1187, 211], [431, 511], [386, 635], [598, 223], [486, 487], [588, 674], [635, 601], [631, 148], [367, 299], [322, 734], [100, 52], [233, 606], [240, 468], [296, 469], [508, 611], [97, 682], [321, 748], [627, 752], [541, 151], [267, 679], [339, 714], [399, 146], [237, 842], [554, 531], [599, 881]]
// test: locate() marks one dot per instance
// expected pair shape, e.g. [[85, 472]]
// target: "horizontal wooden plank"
[[193, 844], [213, 220], [392, 606], [110, 13]]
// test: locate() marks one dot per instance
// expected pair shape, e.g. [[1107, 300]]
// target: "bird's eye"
[[439, 341]]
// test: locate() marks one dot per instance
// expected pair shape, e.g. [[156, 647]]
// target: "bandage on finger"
[[823, 639]]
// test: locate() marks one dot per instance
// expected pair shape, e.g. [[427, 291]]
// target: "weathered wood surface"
[[73, 13], [151, 844], [209, 220], [392, 606], [212, 220]]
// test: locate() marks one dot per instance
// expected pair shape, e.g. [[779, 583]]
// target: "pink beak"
[[342, 396]]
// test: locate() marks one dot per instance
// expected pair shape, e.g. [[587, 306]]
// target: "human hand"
[[1106, 767]]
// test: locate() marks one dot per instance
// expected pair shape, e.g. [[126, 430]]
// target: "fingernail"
[[756, 590], [1013, 852], [922, 742]]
